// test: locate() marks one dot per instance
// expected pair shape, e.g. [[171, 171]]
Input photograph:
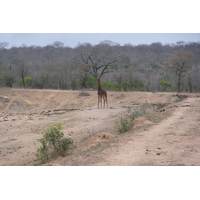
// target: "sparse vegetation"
[[125, 124], [53, 144]]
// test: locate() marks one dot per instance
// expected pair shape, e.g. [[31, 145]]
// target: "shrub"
[[53, 144], [91, 82], [109, 86], [123, 125]]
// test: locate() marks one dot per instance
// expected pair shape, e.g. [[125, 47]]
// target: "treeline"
[[128, 67]]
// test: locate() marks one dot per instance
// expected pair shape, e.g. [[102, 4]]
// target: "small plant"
[[123, 125], [53, 144]]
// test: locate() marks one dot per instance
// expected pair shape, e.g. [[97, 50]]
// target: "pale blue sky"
[[72, 39]]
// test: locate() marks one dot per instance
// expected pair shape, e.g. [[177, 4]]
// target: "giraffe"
[[102, 94]]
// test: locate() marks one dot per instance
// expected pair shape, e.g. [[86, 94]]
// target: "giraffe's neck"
[[99, 85]]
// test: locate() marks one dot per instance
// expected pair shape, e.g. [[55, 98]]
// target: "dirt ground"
[[168, 133]]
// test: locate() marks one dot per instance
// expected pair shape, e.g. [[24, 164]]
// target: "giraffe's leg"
[[106, 102], [103, 102], [98, 102]]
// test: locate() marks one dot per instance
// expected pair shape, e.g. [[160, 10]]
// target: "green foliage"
[[53, 144], [28, 81], [165, 84], [110, 86], [91, 82]]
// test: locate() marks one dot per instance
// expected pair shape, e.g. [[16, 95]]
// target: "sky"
[[41, 23], [73, 39]]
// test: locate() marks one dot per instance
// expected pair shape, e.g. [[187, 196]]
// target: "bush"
[[124, 125], [53, 144], [91, 82]]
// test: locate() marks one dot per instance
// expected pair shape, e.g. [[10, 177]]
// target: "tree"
[[165, 84], [21, 68], [179, 63], [7, 75], [58, 44], [3, 45], [96, 60]]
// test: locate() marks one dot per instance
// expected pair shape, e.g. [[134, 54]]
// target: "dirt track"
[[168, 135]]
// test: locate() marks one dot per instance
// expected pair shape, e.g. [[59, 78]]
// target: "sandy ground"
[[167, 134]]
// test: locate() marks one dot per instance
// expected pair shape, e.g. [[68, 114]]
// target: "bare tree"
[[3, 45], [180, 63], [58, 44]]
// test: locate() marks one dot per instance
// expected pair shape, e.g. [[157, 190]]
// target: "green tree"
[[165, 84], [28, 81]]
